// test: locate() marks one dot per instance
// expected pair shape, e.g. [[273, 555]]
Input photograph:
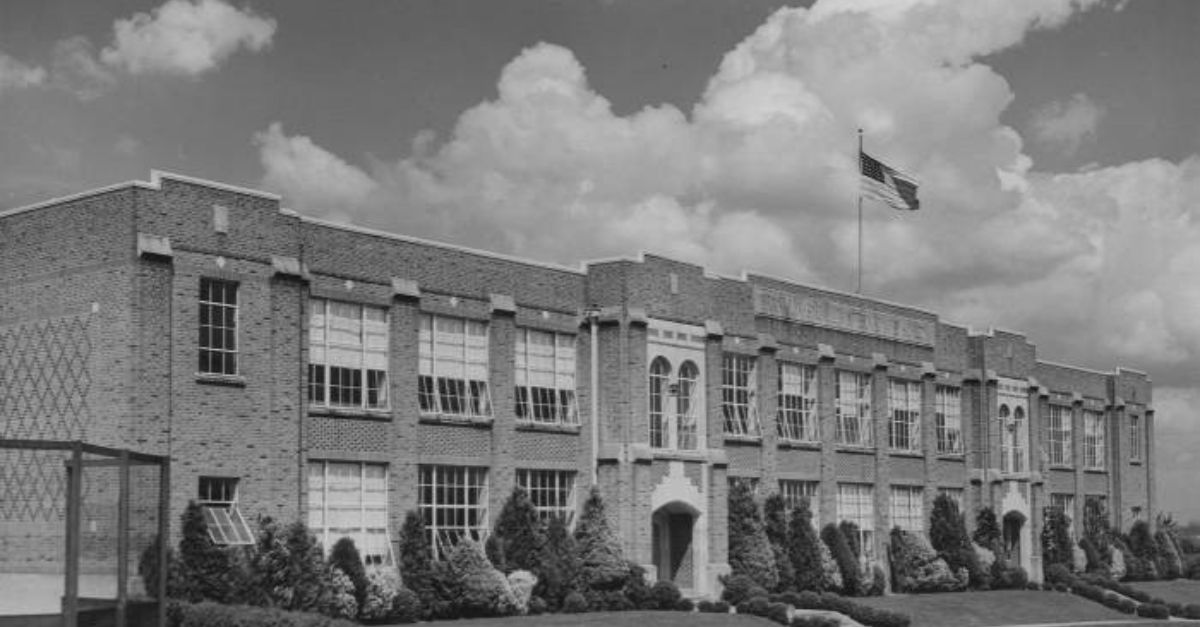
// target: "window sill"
[[954, 457], [1135, 462], [1096, 471], [1067, 467], [231, 380], [807, 445], [856, 449], [525, 425], [732, 438], [680, 455], [906, 453], [384, 415], [447, 419]]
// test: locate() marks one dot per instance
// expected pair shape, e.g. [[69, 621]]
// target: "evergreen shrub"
[[664, 595], [519, 536], [775, 526], [916, 567], [345, 557], [847, 564], [601, 565], [804, 550], [484, 589], [416, 560], [750, 552]]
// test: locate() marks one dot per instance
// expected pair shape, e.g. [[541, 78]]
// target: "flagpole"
[[858, 290]]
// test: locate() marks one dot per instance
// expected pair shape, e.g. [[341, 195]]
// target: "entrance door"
[[672, 545]]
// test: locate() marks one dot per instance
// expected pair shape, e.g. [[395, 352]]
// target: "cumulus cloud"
[[76, 69], [17, 75], [1066, 124], [185, 37], [326, 182]]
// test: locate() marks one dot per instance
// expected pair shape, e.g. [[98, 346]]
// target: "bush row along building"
[[301, 369]]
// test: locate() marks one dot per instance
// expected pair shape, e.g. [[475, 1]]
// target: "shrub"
[[750, 553], [850, 531], [1117, 570], [635, 590], [601, 566], [1153, 610], [1058, 573], [685, 605], [831, 574], [1192, 564], [1095, 559], [720, 607], [445, 590], [1191, 610], [1168, 556], [383, 584], [1078, 559], [866, 615], [833, 538], [804, 550], [755, 606], [664, 595], [345, 556], [207, 572], [1056, 537], [148, 570], [416, 568], [815, 620], [739, 588], [878, 581], [778, 612], [987, 530], [484, 590], [916, 567], [574, 603], [560, 564], [1096, 530], [289, 569], [208, 614], [406, 607], [343, 604], [522, 583], [775, 526], [517, 541], [1008, 576], [537, 605]]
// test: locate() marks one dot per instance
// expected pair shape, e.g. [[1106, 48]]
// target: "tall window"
[[687, 405], [1066, 504], [1093, 439], [798, 403], [218, 500], [737, 395], [793, 491], [348, 355], [660, 381], [545, 377], [453, 501], [904, 428], [948, 416], [1013, 435], [1058, 430], [349, 500], [908, 508], [453, 367], [856, 503], [853, 408], [674, 404], [1135, 438], [552, 493], [218, 327]]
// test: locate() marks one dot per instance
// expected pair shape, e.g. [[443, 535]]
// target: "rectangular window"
[[218, 327], [853, 408], [1135, 438], [453, 501], [1065, 503], [545, 377], [349, 500], [552, 493], [793, 491], [948, 416], [856, 503], [347, 355], [1058, 431], [738, 384], [217, 499], [1093, 440], [453, 367], [798, 403], [908, 508], [904, 428]]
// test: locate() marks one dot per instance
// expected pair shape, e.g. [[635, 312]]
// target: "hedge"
[[209, 614]]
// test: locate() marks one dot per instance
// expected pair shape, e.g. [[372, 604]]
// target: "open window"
[[218, 501]]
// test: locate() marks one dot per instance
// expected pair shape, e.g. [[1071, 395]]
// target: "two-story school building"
[[303, 369]]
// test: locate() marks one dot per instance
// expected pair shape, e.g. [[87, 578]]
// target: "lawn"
[[1177, 591], [604, 619], [1000, 607]]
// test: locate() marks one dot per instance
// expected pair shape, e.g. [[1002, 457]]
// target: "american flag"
[[887, 184]]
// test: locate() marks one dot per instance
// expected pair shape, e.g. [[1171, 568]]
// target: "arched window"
[[1004, 413], [1018, 433], [689, 374], [660, 375]]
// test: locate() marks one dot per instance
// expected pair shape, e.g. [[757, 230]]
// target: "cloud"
[[185, 37], [1065, 125], [76, 69], [310, 172], [17, 75], [1178, 451]]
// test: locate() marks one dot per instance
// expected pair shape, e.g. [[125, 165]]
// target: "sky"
[[1057, 143]]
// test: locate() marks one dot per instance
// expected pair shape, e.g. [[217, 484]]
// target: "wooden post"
[[74, 496], [123, 540], [164, 537]]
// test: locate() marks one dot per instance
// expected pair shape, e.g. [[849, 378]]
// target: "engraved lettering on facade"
[[827, 312]]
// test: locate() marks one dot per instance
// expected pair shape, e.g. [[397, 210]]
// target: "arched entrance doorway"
[[1013, 523], [674, 554]]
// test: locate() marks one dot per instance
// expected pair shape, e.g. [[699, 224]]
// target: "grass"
[[999, 607], [1177, 591], [604, 619]]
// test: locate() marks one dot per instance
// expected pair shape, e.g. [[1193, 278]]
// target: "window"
[[453, 501], [798, 403], [218, 501], [218, 327], [904, 428], [793, 491], [1058, 427], [545, 377], [349, 500], [687, 405], [453, 367], [948, 418], [1093, 440], [552, 493], [737, 395], [853, 408], [1135, 438], [1013, 435], [856, 503], [908, 508], [1066, 504], [347, 355]]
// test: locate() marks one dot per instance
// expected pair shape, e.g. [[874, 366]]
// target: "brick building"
[[297, 368]]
